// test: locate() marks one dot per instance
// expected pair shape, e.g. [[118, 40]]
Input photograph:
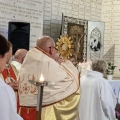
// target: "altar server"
[[8, 106]]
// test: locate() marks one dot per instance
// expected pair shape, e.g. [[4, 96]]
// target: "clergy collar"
[[91, 73], [43, 51]]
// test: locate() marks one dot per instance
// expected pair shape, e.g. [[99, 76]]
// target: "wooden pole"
[[38, 115]]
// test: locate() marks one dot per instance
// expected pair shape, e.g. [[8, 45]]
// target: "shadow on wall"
[[110, 54]]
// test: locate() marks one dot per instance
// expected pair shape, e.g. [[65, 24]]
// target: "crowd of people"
[[72, 97]]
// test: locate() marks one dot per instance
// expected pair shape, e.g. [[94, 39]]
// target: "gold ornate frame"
[[81, 35]]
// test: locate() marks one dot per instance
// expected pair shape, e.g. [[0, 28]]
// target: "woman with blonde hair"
[[97, 100], [8, 108]]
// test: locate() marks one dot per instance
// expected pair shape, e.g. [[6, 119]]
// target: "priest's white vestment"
[[17, 65], [97, 100], [8, 105]]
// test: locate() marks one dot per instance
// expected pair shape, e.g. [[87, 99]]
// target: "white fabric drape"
[[97, 100], [8, 108], [65, 77], [17, 65]]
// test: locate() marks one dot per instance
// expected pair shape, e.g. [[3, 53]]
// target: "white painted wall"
[[111, 16]]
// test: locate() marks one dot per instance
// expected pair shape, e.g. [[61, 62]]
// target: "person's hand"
[[59, 60], [14, 85]]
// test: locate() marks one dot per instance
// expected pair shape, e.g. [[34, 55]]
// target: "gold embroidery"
[[28, 76], [9, 79], [26, 88], [20, 90], [43, 51], [31, 77], [20, 79], [33, 89]]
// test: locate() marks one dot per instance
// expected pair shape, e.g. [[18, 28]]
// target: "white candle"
[[83, 68], [79, 66], [89, 65]]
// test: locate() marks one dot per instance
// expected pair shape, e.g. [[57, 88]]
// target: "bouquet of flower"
[[117, 111], [110, 68]]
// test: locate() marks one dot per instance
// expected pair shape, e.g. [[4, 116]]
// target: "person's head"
[[47, 44], [10, 51], [4, 49], [20, 55], [99, 65]]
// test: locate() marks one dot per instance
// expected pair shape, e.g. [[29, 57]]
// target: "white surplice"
[[97, 100], [8, 108], [16, 64]]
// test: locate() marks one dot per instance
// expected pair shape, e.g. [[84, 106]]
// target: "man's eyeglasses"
[[53, 47]]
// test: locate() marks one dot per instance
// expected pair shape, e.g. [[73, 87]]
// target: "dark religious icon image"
[[76, 32], [95, 39]]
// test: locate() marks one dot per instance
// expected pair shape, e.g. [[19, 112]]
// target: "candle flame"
[[41, 78]]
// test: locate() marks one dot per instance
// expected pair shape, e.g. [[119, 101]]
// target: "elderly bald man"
[[48, 45], [19, 58], [60, 101]]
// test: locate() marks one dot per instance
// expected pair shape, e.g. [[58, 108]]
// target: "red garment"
[[9, 72], [28, 113], [18, 102], [6, 73]]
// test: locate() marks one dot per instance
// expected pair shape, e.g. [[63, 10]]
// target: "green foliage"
[[110, 68]]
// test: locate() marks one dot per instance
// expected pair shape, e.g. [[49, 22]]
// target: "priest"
[[97, 98], [9, 75], [19, 58], [60, 101]]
